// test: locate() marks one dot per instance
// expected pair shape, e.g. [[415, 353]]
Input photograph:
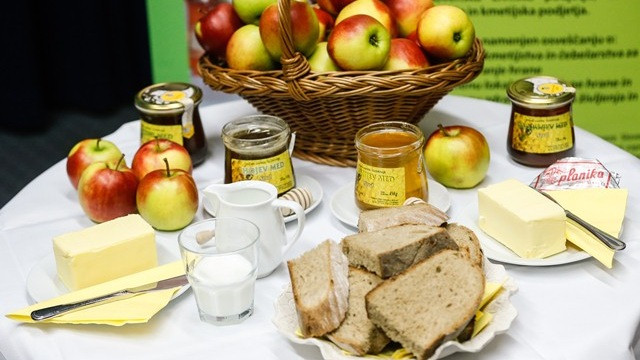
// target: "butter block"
[[105, 251], [523, 220]]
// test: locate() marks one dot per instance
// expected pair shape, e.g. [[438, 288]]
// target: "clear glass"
[[221, 260]]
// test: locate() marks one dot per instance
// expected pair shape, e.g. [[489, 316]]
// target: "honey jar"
[[257, 148], [170, 111], [541, 124], [390, 166]]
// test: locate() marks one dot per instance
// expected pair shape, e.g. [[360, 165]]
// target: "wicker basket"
[[327, 109]]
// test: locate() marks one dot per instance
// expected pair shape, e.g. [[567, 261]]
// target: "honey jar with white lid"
[[541, 125], [391, 166]]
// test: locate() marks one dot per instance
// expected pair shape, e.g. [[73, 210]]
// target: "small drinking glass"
[[221, 260]]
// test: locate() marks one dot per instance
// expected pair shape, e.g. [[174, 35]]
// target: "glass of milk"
[[221, 260]]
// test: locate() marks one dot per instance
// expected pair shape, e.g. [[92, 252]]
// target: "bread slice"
[[320, 284], [467, 242], [429, 303], [388, 252], [357, 334], [421, 213]]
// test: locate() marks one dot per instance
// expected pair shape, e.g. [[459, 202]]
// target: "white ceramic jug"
[[257, 201]]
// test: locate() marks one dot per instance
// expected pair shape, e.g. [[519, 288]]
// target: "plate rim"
[[334, 200]]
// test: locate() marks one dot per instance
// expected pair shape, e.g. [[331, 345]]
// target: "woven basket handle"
[[294, 64]]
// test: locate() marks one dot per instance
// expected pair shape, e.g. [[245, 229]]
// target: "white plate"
[[286, 321], [43, 282], [343, 202], [301, 181], [496, 251]]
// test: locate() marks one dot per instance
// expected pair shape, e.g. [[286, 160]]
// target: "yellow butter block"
[[482, 320], [106, 251]]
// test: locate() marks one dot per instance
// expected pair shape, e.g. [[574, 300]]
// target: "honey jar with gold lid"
[[170, 111], [390, 166], [541, 125]]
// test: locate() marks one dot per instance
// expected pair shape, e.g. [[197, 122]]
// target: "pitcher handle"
[[299, 211]]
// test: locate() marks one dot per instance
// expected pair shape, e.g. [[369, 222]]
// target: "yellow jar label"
[[150, 131], [542, 134], [275, 170], [381, 187]]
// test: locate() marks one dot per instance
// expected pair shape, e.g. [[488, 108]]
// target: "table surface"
[[580, 310]]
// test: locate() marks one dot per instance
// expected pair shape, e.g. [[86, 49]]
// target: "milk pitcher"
[[257, 201]]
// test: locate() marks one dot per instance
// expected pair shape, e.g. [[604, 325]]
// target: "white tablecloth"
[[574, 311]]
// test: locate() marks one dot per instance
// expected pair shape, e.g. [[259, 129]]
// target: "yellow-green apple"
[[87, 152], [457, 156], [150, 156], [250, 10], [320, 61], [407, 13], [245, 50], [333, 7], [445, 32], [215, 28], [405, 54], [107, 190], [325, 23], [304, 27], [359, 42], [374, 8], [167, 198]]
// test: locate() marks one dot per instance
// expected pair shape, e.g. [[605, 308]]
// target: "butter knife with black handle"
[[57, 310]]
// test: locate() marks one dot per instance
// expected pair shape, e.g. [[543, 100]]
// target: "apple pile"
[[337, 34], [165, 196]]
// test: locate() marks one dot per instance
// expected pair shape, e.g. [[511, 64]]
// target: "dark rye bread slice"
[[430, 302], [357, 334], [467, 242], [390, 251], [420, 213], [320, 285]]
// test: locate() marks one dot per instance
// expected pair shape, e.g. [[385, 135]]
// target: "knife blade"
[[611, 241], [57, 310]]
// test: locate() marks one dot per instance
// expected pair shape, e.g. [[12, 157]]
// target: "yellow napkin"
[[137, 309], [603, 208]]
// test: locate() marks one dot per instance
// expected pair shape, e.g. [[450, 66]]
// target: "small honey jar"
[[541, 125], [170, 111], [390, 166], [257, 148]]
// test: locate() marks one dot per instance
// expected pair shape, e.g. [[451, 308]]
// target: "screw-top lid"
[[541, 92], [167, 97]]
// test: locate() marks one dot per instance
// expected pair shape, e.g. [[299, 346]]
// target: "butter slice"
[[104, 252], [603, 208], [523, 220]]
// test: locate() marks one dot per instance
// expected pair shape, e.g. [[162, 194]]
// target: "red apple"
[[215, 28], [405, 54], [150, 156], [320, 61], [107, 190], [359, 42], [457, 156], [333, 7], [304, 24], [87, 152], [167, 198], [325, 23], [446, 32], [407, 13], [245, 50], [374, 8]]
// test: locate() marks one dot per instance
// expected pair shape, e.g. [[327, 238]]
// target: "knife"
[[57, 310], [611, 241]]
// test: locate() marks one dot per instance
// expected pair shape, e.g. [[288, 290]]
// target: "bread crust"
[[420, 213]]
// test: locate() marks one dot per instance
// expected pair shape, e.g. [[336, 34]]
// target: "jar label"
[[381, 187], [150, 131], [276, 170], [542, 134]]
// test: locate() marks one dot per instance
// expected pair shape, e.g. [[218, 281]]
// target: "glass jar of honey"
[[170, 111], [390, 166], [257, 148], [541, 124]]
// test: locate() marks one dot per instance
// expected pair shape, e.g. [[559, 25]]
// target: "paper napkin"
[[137, 309]]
